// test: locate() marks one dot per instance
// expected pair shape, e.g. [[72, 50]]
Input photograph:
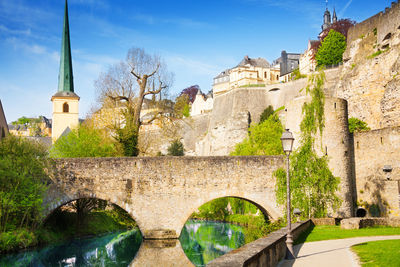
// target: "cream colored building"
[[306, 63], [65, 113], [3, 123], [249, 72], [201, 104]]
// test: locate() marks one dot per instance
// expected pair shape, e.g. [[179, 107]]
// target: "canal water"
[[201, 241]]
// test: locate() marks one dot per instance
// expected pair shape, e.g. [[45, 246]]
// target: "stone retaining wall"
[[262, 252], [357, 223]]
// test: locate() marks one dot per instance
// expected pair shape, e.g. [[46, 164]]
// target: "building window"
[[265, 75], [65, 108], [3, 133]]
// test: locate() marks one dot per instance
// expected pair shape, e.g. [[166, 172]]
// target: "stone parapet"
[[266, 251], [357, 223]]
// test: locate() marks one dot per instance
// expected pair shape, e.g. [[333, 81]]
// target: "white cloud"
[[6, 30], [195, 66], [181, 22], [341, 13]]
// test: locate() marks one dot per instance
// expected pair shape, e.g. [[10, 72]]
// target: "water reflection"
[[165, 253], [204, 241], [199, 243], [117, 249]]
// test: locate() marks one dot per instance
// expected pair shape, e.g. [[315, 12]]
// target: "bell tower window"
[[65, 108]]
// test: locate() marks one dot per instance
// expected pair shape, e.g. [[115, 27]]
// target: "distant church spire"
[[65, 77], [334, 17]]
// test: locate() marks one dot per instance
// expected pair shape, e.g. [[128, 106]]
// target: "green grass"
[[379, 253], [327, 232], [252, 85]]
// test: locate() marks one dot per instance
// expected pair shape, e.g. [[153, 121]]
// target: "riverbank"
[[62, 226]]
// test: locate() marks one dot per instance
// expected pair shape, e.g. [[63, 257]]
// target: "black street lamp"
[[287, 145]]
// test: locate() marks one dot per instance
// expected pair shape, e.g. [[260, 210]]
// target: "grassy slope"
[[327, 232], [379, 253]]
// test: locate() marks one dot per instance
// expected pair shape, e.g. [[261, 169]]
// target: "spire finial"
[[65, 77]]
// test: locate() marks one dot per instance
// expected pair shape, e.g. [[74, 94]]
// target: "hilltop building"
[[3, 123], [36, 127], [202, 104], [288, 62], [65, 101], [249, 72], [307, 63]]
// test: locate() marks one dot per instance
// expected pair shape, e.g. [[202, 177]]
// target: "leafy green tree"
[[23, 181], [266, 113], [357, 125], [176, 148], [263, 139], [215, 209], [182, 107], [313, 186], [332, 49], [85, 141]]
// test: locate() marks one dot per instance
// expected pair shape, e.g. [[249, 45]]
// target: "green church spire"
[[65, 76]]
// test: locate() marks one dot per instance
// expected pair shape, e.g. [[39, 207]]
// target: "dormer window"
[[65, 108]]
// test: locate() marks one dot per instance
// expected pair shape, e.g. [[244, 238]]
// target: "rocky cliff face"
[[370, 79]]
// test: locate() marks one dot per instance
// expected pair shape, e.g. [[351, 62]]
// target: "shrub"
[[176, 148], [357, 125], [266, 113]]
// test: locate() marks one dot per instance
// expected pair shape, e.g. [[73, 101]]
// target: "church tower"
[[327, 19], [334, 17], [65, 101]]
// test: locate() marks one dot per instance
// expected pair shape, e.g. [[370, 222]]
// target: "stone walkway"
[[329, 252]]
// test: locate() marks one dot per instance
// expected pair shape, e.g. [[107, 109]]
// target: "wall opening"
[[361, 212], [206, 235], [274, 90], [65, 107], [335, 105], [115, 236], [387, 37], [381, 140]]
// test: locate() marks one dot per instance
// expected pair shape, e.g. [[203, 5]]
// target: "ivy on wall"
[[313, 185]]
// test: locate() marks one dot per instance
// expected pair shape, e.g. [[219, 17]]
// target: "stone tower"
[[65, 101], [327, 19]]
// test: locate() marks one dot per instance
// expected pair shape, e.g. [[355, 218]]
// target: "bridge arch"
[[265, 208], [51, 204]]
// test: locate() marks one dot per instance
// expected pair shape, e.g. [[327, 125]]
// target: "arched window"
[[65, 108]]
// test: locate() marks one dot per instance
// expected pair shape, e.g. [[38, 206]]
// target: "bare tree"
[[123, 89]]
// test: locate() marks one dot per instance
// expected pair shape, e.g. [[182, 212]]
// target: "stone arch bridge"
[[161, 193]]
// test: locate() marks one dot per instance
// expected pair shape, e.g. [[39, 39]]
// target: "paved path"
[[329, 252]]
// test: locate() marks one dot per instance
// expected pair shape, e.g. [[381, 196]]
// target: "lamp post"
[[287, 144]]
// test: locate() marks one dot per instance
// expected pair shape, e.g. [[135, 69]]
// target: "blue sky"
[[197, 39]]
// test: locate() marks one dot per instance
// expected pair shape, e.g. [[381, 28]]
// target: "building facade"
[[249, 72], [201, 104], [3, 123]]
